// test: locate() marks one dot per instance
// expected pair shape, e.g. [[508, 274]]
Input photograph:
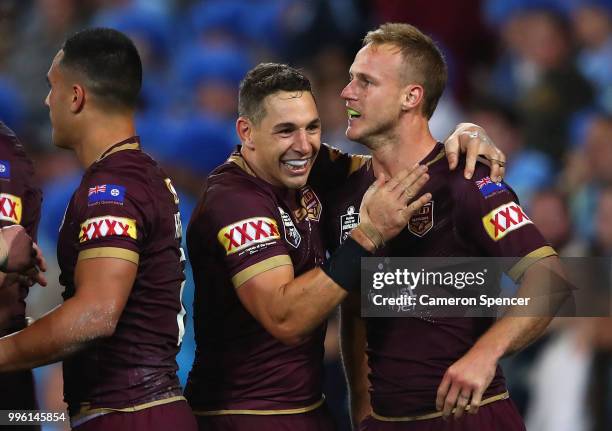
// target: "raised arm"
[[291, 307]]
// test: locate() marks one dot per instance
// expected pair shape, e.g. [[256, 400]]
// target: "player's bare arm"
[[102, 289], [290, 308], [473, 140], [465, 382]]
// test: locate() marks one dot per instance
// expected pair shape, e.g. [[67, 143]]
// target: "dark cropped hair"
[[109, 63], [423, 61], [266, 79]]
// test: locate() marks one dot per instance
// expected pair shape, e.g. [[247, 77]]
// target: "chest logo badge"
[[422, 221]]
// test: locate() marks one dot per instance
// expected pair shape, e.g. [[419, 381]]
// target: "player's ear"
[[78, 99], [244, 129], [412, 96]]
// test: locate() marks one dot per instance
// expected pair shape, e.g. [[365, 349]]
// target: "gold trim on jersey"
[[516, 272], [357, 162], [128, 146], [242, 164], [265, 265], [434, 415], [116, 252], [438, 157], [86, 411], [261, 412]]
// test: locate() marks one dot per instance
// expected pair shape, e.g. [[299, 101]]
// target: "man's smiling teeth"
[[352, 113], [295, 163]]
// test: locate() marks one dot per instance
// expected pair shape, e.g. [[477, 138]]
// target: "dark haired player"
[[20, 201], [255, 246], [422, 370], [121, 324], [254, 242]]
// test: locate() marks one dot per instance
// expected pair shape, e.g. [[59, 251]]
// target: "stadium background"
[[537, 74]]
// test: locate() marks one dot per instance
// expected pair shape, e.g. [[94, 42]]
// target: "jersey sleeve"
[[20, 196], [112, 218], [244, 225], [488, 215]]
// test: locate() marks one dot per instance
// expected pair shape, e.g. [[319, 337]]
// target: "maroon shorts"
[[317, 420], [499, 416], [20, 395], [171, 416]]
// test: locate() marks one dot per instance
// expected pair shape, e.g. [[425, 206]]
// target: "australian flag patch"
[[105, 193], [487, 187], [5, 169]]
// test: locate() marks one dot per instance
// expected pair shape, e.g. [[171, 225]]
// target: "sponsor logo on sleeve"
[[103, 193], [292, 235], [488, 188], [504, 219], [5, 169], [107, 226], [10, 208], [246, 233], [422, 221], [348, 222]]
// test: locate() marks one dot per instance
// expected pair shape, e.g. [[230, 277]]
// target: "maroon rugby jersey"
[[409, 356], [126, 208], [20, 200], [241, 227]]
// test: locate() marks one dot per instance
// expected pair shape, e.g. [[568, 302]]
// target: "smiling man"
[[255, 245], [263, 287]]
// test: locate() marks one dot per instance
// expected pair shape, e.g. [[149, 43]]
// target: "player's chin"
[[296, 181], [352, 133]]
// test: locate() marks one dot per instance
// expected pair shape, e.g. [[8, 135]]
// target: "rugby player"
[[421, 370], [263, 291], [120, 326], [20, 201]]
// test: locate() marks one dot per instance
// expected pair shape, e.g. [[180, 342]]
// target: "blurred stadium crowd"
[[536, 74]]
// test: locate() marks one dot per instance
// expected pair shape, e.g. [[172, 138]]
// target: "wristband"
[[344, 265], [372, 234]]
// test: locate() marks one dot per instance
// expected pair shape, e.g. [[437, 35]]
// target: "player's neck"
[[101, 134], [412, 142]]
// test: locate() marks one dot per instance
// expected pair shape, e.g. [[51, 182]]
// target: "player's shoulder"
[[232, 183], [132, 167]]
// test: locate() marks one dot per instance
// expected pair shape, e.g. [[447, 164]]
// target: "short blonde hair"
[[424, 62]]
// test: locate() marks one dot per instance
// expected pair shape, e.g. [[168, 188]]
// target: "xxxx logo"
[[245, 233], [10, 208], [504, 219], [105, 226]]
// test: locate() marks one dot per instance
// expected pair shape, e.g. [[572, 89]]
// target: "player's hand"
[[388, 205], [465, 382], [22, 253], [473, 140]]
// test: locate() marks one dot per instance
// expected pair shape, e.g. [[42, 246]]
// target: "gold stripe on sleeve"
[[116, 252], [517, 271], [260, 412], [250, 272]]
